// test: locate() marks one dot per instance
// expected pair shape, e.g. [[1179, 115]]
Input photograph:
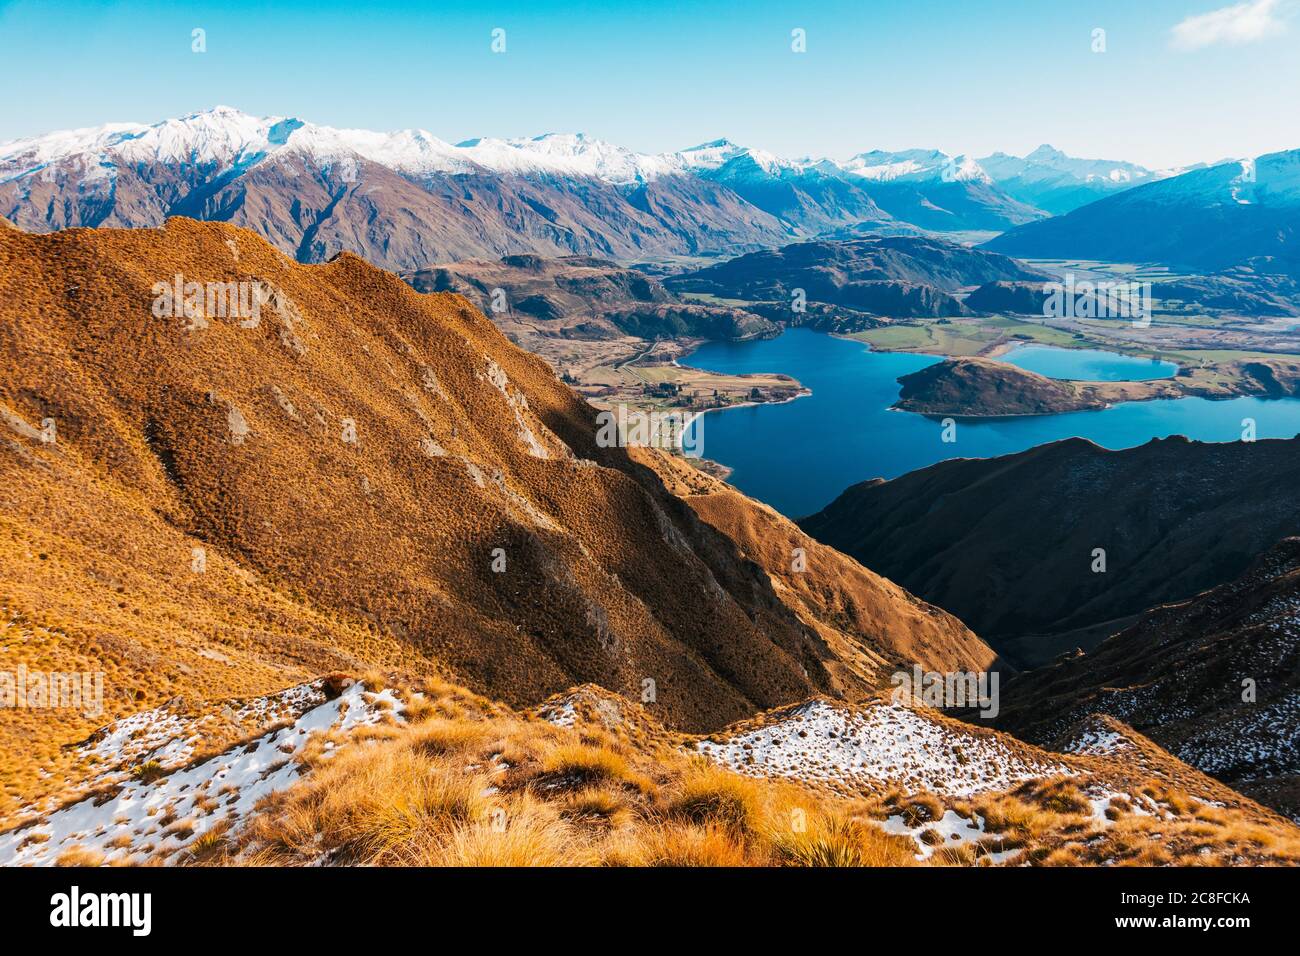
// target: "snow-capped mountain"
[[407, 199], [937, 190], [916, 166], [1239, 212], [403, 200], [1051, 180], [566, 154]]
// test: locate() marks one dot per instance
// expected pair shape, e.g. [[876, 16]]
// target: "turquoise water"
[[1087, 365], [798, 456]]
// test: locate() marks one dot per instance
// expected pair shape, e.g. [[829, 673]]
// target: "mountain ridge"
[[363, 475], [1010, 543], [408, 200], [1240, 213]]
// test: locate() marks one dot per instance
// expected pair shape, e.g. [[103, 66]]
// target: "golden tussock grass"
[[581, 764], [682, 844], [505, 791], [712, 795], [834, 839], [79, 856]]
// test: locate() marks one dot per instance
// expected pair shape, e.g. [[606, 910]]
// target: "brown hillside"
[[979, 388], [349, 462], [583, 298]]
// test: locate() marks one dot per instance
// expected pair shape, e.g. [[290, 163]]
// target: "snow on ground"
[[171, 737], [883, 743], [1100, 799], [1257, 739], [561, 713], [952, 829], [1098, 742], [160, 818], [586, 704]]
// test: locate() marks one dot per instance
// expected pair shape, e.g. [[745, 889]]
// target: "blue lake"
[[798, 456], [1087, 365]]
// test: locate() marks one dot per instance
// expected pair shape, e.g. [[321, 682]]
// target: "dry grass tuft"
[[530, 835], [596, 805], [833, 839], [583, 764], [378, 804], [79, 856], [149, 771], [712, 795], [682, 844]]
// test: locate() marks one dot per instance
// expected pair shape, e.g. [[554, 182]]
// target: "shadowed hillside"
[[1212, 680], [1008, 544], [362, 475]]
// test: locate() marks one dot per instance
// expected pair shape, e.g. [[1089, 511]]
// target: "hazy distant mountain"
[[937, 191], [814, 196], [895, 276], [1233, 213], [1052, 181]]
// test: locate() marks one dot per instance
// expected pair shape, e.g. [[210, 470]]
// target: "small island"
[[971, 388], [982, 388]]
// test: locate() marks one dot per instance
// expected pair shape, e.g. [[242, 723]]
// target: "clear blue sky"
[[961, 75]]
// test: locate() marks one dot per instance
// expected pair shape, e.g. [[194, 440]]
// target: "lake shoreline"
[[799, 456]]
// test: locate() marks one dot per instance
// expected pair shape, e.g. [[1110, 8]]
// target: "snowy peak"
[[225, 136], [1048, 163], [1046, 154], [213, 135], [565, 154], [1058, 183], [916, 165], [411, 151], [709, 156]]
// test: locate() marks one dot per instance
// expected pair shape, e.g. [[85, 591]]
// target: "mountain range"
[[407, 200], [1231, 215]]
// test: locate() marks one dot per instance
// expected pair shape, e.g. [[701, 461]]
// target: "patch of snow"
[[885, 743], [1098, 743], [220, 790], [561, 713]]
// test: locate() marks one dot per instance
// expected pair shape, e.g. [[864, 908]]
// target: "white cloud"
[[1235, 25]]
